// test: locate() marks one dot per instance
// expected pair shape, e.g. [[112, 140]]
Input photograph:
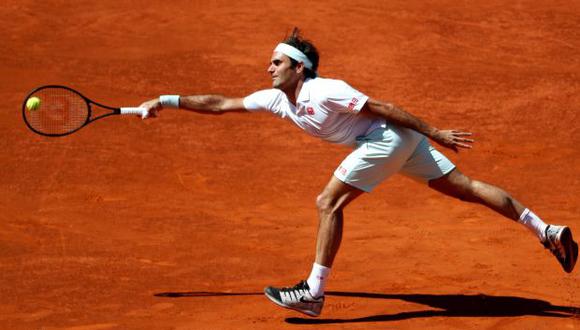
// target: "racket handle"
[[135, 111]]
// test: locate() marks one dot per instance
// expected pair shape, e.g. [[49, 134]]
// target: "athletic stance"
[[386, 139]]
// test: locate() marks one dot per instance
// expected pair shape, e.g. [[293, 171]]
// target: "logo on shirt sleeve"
[[352, 104]]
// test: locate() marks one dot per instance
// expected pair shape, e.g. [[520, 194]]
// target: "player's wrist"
[[433, 132], [169, 101]]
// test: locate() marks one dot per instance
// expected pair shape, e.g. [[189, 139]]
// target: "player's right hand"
[[453, 139], [153, 107]]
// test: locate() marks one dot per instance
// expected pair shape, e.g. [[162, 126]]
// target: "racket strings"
[[60, 111]]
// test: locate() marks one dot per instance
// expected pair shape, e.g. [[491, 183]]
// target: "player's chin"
[[276, 82], [278, 85]]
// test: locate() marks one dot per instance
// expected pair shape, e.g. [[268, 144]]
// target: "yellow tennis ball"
[[33, 103]]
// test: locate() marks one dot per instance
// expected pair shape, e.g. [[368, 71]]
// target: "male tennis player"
[[386, 140]]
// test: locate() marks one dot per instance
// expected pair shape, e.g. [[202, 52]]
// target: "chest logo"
[[352, 104], [310, 111]]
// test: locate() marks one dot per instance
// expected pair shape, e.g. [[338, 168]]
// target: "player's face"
[[283, 75]]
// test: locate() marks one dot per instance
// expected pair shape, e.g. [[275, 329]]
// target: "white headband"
[[294, 54]]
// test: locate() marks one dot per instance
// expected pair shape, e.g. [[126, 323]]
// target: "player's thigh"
[[427, 163]]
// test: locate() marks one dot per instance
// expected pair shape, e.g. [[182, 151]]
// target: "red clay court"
[[179, 222]]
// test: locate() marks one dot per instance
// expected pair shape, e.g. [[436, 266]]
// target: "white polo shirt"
[[325, 108]]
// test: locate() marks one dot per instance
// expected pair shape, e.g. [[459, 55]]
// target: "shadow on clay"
[[447, 305]]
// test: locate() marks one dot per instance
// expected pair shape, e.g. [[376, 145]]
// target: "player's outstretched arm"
[[452, 139], [209, 104]]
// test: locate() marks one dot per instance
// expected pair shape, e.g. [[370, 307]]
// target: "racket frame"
[[89, 102]]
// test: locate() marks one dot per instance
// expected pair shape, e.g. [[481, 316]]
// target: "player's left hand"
[[453, 139]]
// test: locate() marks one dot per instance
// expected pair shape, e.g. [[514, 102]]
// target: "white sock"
[[317, 280], [534, 223]]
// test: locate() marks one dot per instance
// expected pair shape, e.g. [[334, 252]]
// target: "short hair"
[[295, 40]]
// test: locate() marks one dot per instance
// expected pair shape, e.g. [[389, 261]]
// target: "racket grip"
[[135, 111]]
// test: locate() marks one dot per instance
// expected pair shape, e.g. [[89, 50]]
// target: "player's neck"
[[293, 92]]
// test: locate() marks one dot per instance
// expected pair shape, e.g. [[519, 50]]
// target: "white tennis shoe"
[[560, 242], [297, 298]]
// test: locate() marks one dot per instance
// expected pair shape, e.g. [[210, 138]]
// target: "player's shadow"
[[204, 294], [445, 305], [453, 305]]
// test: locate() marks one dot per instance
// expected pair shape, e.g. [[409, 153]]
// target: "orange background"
[[179, 222]]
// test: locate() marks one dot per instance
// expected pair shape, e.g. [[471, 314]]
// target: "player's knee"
[[471, 190], [325, 203], [466, 189]]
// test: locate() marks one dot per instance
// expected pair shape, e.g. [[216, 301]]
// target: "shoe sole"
[[303, 311], [571, 249]]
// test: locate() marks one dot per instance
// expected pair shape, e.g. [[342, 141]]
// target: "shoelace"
[[296, 287]]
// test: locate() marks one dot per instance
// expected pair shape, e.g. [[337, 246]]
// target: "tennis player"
[[386, 140]]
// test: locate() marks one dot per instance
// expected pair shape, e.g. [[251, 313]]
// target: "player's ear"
[[300, 67]]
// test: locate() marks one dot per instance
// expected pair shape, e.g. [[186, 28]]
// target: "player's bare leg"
[[308, 296], [458, 185], [558, 239], [330, 203]]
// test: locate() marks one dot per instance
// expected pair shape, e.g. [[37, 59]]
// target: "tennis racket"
[[61, 110]]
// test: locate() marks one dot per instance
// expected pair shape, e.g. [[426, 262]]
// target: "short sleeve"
[[264, 100], [341, 97]]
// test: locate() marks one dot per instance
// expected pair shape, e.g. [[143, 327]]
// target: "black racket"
[[55, 110]]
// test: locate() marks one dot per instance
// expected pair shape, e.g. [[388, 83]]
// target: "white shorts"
[[390, 149]]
